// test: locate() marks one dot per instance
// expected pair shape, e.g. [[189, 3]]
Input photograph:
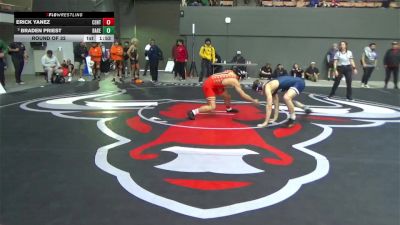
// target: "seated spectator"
[[279, 71], [195, 3], [217, 68], [314, 3], [238, 58], [266, 72], [312, 72], [67, 68], [51, 65], [297, 71]]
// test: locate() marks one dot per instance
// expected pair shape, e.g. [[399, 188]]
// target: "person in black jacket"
[[155, 55], [279, 71], [391, 63], [80, 53], [18, 57]]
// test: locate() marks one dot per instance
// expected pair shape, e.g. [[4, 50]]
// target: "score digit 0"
[[108, 21]]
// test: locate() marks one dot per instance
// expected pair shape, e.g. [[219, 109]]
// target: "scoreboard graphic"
[[64, 26]]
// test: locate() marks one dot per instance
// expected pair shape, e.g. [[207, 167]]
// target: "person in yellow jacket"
[[207, 55]]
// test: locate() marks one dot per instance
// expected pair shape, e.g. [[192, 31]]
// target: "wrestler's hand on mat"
[[265, 124], [256, 102]]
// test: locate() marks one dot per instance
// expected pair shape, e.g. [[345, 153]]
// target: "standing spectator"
[[173, 52], [155, 55], [80, 53], [266, 71], [343, 65], [125, 69], [207, 55], [146, 52], [368, 62], [181, 57], [96, 53], [134, 58], [18, 57], [3, 51], [279, 71], [117, 55], [51, 65], [297, 71], [329, 60], [391, 62], [312, 72]]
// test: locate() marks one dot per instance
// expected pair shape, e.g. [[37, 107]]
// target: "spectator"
[[51, 65], [207, 55], [3, 51], [155, 55], [314, 3], [217, 68], [125, 69], [173, 51], [80, 53], [343, 66], [239, 59], [117, 55], [391, 63], [266, 71], [368, 62], [297, 71], [195, 3], [134, 58], [18, 57], [181, 55], [146, 65], [330, 58], [279, 71], [95, 53], [69, 68], [312, 72]]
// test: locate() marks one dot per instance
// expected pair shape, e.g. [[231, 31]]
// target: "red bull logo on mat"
[[220, 164]]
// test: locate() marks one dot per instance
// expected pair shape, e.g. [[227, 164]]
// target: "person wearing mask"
[[391, 63], [330, 58], [80, 53], [96, 53], [134, 58], [207, 55], [3, 51], [117, 55], [312, 72], [368, 62], [266, 71], [343, 65], [51, 65], [18, 56], [146, 52], [155, 55], [238, 58], [181, 57], [297, 71]]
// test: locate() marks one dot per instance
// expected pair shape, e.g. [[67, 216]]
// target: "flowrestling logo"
[[220, 164]]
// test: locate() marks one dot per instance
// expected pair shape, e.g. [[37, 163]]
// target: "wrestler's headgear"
[[257, 85]]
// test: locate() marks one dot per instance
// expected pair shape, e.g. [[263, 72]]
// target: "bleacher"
[[297, 3]]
